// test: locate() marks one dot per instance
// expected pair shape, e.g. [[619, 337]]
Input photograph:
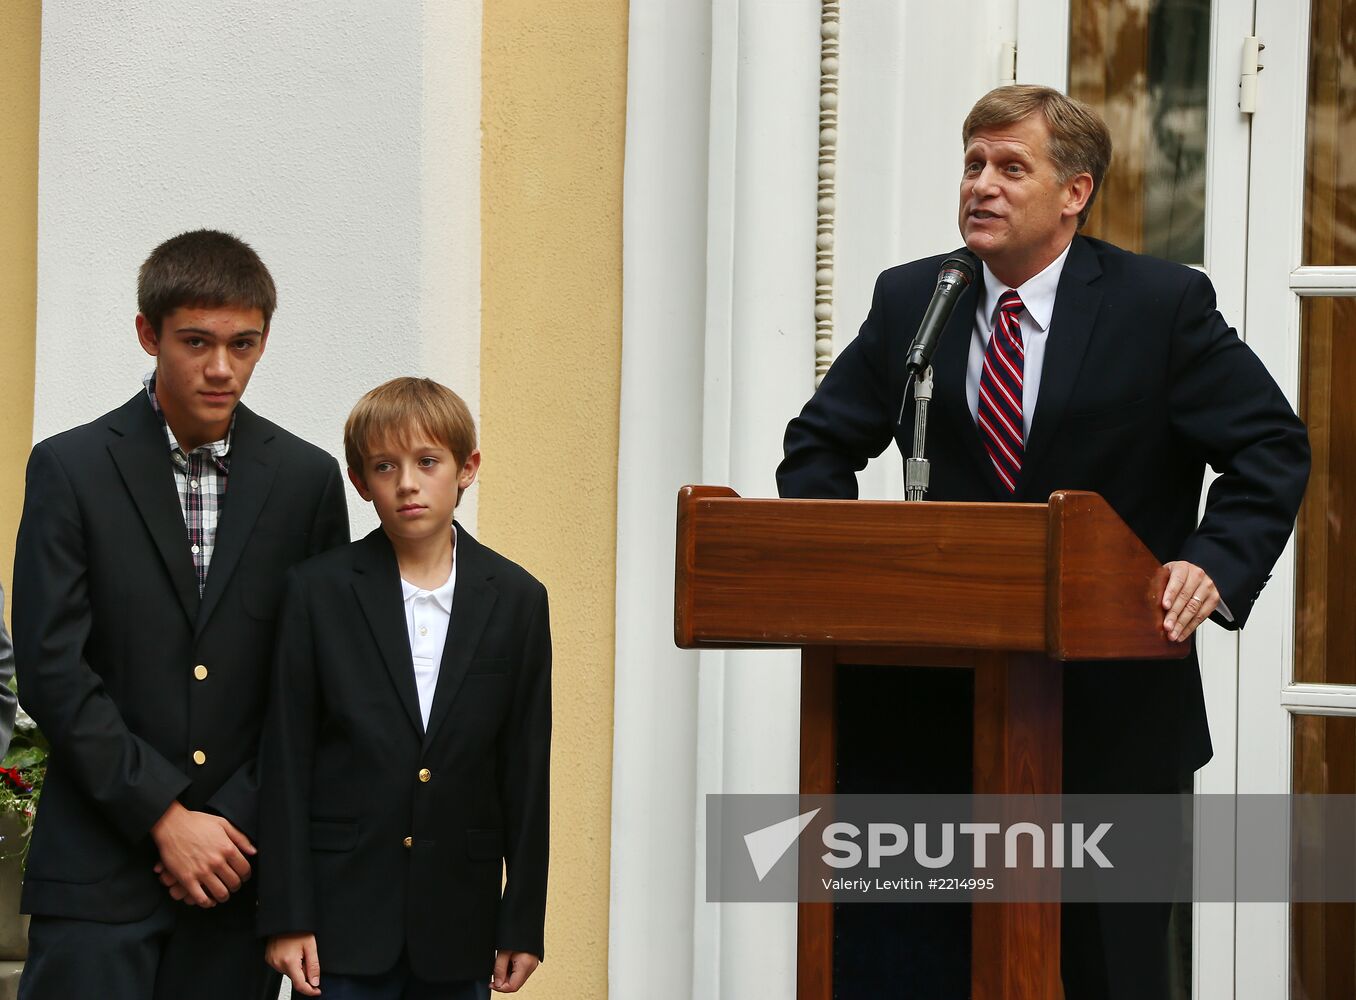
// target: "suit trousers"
[[1124, 951], [398, 984], [1116, 951], [177, 951]]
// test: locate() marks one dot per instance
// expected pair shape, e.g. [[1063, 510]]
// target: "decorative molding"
[[828, 166]]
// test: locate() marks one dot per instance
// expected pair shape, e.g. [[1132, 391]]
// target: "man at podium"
[[1069, 363]]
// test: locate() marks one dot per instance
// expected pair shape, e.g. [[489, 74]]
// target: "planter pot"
[[13, 925]]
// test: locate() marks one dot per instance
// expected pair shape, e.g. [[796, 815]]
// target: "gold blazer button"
[[199, 757], [408, 841], [200, 672], [425, 774]]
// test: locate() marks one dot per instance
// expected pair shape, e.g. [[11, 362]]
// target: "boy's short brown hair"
[[206, 269], [399, 409]]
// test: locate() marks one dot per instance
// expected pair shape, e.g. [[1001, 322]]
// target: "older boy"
[[150, 561], [407, 745]]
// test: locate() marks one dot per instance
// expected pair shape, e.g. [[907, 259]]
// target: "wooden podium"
[[1006, 589]]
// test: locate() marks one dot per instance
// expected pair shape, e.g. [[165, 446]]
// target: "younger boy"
[[407, 744]]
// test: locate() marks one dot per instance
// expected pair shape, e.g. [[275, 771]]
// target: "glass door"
[[1146, 68], [1299, 722]]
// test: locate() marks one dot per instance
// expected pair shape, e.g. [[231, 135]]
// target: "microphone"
[[956, 273]]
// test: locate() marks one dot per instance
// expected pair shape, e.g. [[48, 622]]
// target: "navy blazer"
[[377, 835], [109, 626], [1143, 385]]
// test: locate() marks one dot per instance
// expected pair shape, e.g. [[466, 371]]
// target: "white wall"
[[340, 138]]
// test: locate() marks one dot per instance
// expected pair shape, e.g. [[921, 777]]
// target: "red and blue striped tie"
[[1000, 392]]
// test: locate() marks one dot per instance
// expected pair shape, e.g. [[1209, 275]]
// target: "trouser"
[[398, 984], [1122, 950], [1115, 951], [178, 951]]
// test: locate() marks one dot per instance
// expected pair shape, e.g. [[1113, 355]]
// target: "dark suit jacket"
[[108, 628], [1143, 385], [355, 847]]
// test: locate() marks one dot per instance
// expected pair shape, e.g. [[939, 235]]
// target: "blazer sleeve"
[[1225, 403], [848, 421], [238, 797], [524, 790], [131, 782], [286, 881]]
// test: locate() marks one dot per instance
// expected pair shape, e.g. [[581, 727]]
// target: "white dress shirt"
[[428, 613], [1038, 304]]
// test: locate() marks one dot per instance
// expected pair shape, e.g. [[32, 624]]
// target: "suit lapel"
[[376, 584], [950, 365], [473, 598], [141, 452], [253, 463], [1077, 301]]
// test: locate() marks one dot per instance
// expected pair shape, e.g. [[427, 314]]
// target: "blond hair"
[[402, 408], [1079, 140]]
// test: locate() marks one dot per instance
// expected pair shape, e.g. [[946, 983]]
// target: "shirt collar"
[[1038, 292], [442, 596], [221, 449]]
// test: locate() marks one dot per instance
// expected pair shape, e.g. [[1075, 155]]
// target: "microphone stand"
[[956, 272], [916, 469]]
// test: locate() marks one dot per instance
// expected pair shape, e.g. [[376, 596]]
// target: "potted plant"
[[21, 775]]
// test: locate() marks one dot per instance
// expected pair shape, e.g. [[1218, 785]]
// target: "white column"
[[759, 371], [655, 714], [717, 355]]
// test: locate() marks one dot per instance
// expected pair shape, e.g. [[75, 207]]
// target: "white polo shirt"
[[428, 613]]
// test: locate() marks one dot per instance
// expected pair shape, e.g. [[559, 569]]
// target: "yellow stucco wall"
[[553, 111], [20, 41]]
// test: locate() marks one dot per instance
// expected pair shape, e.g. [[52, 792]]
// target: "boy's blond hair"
[[398, 410]]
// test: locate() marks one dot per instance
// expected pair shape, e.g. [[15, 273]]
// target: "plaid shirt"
[[200, 479]]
